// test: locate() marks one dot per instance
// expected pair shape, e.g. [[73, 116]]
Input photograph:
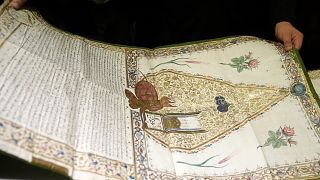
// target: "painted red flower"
[[292, 142], [288, 131], [281, 137], [253, 63]]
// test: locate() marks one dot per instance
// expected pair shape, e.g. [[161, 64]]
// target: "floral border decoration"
[[281, 137], [47, 148], [297, 75], [243, 62], [308, 170]]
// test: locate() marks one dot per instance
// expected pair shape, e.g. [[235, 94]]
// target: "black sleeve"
[[282, 10]]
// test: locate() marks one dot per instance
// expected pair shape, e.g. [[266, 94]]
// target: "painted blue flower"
[[220, 100], [223, 108], [223, 105]]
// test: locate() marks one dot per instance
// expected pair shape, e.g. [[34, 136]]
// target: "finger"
[[287, 42], [298, 41], [17, 3]]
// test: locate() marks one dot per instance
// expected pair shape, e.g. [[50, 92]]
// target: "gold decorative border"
[[299, 171], [298, 73], [202, 145]]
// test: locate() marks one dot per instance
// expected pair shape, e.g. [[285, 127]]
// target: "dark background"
[[163, 22], [146, 23]]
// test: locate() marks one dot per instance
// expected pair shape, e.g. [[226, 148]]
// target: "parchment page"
[[258, 115], [62, 99]]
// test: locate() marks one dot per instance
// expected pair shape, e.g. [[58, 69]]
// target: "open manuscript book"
[[238, 107]]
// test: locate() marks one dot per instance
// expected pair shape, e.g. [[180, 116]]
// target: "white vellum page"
[[159, 157], [300, 144], [228, 156]]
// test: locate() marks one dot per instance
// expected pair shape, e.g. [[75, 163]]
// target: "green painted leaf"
[[235, 60], [234, 65], [269, 141], [272, 134], [241, 59], [240, 68], [283, 142], [278, 133], [276, 144]]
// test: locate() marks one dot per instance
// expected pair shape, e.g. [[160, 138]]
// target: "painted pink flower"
[[253, 63], [281, 137], [292, 142], [288, 131], [227, 158]]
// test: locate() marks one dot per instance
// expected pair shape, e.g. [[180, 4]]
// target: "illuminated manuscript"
[[236, 107]]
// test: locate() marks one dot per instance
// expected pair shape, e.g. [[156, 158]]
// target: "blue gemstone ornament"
[[298, 89]]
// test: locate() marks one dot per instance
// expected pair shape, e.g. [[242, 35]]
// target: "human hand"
[[289, 35], [17, 4]]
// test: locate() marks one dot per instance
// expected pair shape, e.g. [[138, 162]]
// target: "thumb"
[[287, 42]]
